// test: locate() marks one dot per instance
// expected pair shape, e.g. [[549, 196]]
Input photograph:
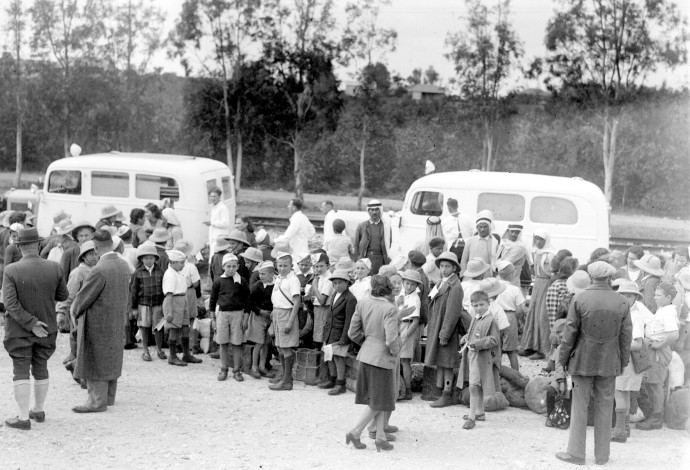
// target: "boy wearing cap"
[[230, 292], [146, 299], [66, 322], [82, 231], [238, 244], [321, 290], [222, 247], [260, 317], [286, 300], [409, 326], [305, 315], [191, 275], [175, 309], [252, 258], [436, 246]]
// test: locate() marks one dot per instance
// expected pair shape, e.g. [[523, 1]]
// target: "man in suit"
[[594, 350], [373, 237], [100, 307], [31, 287]]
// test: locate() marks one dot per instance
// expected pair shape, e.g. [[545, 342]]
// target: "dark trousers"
[[601, 390], [101, 393], [30, 355], [652, 402], [377, 260]]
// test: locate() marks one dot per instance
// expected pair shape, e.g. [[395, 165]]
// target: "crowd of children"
[[276, 301]]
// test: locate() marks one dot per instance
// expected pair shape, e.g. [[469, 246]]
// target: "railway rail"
[[620, 243]]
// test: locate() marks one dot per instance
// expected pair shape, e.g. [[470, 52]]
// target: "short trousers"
[[258, 327], [148, 316], [280, 318], [30, 353], [321, 315], [229, 327]]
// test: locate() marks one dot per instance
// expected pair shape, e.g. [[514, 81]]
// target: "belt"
[[375, 252], [180, 295]]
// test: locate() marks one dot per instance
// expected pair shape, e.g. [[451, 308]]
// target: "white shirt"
[[325, 288], [220, 224], [468, 287], [290, 286], [190, 273], [328, 225], [298, 233], [411, 300], [453, 226], [665, 320], [361, 288], [510, 298], [431, 270], [174, 282]]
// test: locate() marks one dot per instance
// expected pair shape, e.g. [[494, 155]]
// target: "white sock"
[[22, 394], [40, 394]]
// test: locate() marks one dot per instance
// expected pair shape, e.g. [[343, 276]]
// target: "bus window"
[[109, 184], [153, 187], [427, 203], [225, 186], [507, 207], [65, 182], [210, 184], [553, 210]]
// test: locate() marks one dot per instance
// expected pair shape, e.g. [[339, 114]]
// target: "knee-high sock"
[[22, 394], [40, 394]]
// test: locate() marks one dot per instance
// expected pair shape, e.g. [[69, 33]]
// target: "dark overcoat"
[[445, 311], [101, 305], [338, 321]]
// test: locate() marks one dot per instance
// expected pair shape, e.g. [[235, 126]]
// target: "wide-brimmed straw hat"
[[650, 264], [238, 236], [281, 247], [109, 211], [448, 256], [64, 227], [340, 274], [221, 244], [146, 249], [578, 282], [412, 275], [85, 248], [80, 225], [253, 254], [492, 286], [184, 246], [159, 235], [629, 287], [476, 267], [345, 263]]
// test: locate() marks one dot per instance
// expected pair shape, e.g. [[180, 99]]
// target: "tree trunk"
[[298, 171], [609, 153], [18, 167], [228, 126], [362, 155], [238, 172]]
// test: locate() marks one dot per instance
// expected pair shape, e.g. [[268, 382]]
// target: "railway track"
[[620, 243]]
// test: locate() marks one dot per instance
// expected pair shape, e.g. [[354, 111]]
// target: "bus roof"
[[139, 161], [476, 179]]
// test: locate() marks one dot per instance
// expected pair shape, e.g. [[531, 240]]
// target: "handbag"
[[641, 359], [560, 415]]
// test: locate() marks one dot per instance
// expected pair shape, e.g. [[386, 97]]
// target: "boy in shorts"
[[230, 292]]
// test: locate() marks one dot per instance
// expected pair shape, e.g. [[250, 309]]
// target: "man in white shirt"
[[457, 228], [300, 230], [330, 215], [483, 245], [219, 223]]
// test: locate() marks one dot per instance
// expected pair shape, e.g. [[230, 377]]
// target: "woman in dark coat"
[[443, 334], [375, 326], [343, 303]]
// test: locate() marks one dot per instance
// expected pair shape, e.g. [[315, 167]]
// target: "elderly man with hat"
[[445, 313], [31, 287], [100, 307], [373, 237], [513, 250], [594, 350], [482, 245], [66, 322], [300, 230], [111, 216], [82, 232]]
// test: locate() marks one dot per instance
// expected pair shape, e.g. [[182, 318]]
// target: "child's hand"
[[399, 301], [287, 329], [442, 341], [472, 344], [463, 340], [342, 342], [407, 310]]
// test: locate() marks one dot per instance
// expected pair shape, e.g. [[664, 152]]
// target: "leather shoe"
[[537, 356], [254, 373], [648, 425], [326, 385], [389, 437], [17, 423], [88, 409], [279, 387], [338, 390], [481, 417], [391, 429], [469, 424], [161, 355], [146, 356], [38, 416], [601, 461], [566, 457]]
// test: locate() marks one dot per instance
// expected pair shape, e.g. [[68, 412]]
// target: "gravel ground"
[[177, 417]]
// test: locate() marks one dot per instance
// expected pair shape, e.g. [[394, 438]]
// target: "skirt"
[[376, 388], [509, 336], [280, 317], [320, 320], [411, 339], [535, 335]]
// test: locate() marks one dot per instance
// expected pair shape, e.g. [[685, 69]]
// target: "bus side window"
[[65, 182], [427, 203], [154, 187], [506, 207], [553, 210]]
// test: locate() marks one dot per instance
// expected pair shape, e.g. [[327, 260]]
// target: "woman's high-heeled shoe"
[[349, 437], [382, 445]]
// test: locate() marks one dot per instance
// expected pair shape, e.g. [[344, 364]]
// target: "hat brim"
[[332, 278], [411, 279], [238, 240], [79, 227], [494, 293], [438, 262], [159, 239], [251, 258], [64, 231], [110, 214], [469, 273], [649, 270], [638, 294], [29, 241]]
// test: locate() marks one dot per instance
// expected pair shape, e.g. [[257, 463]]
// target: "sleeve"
[[295, 287], [90, 290], [502, 319], [134, 291], [515, 254], [552, 301], [392, 331], [73, 286], [670, 322], [254, 298], [490, 340], [465, 256], [356, 332], [450, 227], [570, 333], [625, 337], [12, 306], [358, 239], [453, 312], [168, 283], [291, 231], [245, 296], [66, 262], [61, 292], [221, 218], [215, 288], [350, 307]]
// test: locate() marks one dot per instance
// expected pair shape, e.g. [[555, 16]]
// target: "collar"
[[235, 277], [150, 270], [374, 223], [110, 254], [488, 312]]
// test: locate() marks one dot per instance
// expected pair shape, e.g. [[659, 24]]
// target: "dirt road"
[[176, 417]]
